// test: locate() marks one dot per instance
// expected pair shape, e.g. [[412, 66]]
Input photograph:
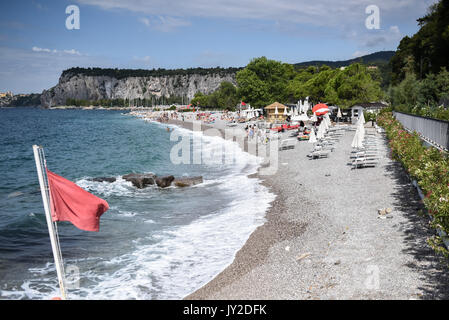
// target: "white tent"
[[312, 137]]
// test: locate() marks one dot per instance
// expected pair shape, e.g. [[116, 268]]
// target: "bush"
[[428, 166]]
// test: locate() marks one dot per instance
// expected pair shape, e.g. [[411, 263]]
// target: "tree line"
[[264, 81], [125, 73], [420, 77]]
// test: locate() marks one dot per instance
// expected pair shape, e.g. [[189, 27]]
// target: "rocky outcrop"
[[164, 182], [97, 87], [140, 180], [187, 181], [104, 179]]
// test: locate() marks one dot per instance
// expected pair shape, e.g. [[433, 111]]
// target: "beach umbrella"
[[306, 105], [357, 141], [328, 119], [362, 119], [320, 109], [339, 113], [312, 137], [325, 124], [276, 112], [320, 133], [285, 111]]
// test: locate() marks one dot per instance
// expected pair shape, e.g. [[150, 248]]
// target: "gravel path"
[[323, 238]]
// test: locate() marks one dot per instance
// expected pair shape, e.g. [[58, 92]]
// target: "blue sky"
[[36, 46]]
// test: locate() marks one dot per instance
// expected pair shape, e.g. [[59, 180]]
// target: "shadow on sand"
[[433, 268]]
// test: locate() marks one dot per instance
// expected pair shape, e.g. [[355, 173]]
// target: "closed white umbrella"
[[312, 137], [362, 118], [320, 133], [314, 118], [355, 140], [285, 111], [276, 112], [325, 125], [339, 113]]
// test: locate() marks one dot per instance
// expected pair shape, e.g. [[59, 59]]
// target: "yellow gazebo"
[[276, 112]]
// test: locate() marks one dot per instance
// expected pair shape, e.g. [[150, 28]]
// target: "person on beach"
[[251, 133]]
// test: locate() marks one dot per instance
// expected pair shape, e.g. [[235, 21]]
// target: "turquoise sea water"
[[153, 243]]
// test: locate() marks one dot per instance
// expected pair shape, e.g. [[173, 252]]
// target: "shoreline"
[[256, 243]]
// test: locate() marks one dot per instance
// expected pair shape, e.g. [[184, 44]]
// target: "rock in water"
[[102, 179], [164, 182], [188, 181], [140, 180]]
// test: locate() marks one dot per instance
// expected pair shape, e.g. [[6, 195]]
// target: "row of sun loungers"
[[369, 155], [324, 147]]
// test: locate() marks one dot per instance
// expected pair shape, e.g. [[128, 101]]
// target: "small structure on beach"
[[358, 109], [280, 115]]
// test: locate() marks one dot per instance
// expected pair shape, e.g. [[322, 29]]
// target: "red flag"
[[71, 203]]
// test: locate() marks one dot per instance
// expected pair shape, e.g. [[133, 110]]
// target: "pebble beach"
[[324, 237]]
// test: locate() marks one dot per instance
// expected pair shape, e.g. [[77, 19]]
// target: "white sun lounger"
[[287, 144], [320, 154], [365, 162]]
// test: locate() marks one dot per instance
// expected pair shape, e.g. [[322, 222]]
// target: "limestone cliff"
[[88, 84]]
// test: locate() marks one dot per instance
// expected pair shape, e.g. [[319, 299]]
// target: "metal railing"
[[435, 132]]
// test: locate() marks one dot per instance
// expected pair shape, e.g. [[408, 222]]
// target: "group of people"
[[256, 134]]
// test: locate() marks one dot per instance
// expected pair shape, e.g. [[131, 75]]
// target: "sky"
[[36, 45]]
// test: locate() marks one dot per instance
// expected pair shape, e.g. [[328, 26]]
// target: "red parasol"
[[320, 109]]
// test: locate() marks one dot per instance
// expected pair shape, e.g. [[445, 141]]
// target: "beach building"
[[276, 112], [6, 94], [373, 107]]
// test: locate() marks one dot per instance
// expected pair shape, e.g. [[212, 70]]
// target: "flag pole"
[[51, 230]]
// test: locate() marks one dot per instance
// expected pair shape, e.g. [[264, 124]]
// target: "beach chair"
[[287, 144], [365, 162], [320, 154]]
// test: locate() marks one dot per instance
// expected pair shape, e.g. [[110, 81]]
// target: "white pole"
[[53, 239]]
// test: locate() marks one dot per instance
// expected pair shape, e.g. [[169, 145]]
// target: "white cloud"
[[318, 13], [25, 70], [145, 21], [37, 49], [164, 23], [71, 51], [359, 53]]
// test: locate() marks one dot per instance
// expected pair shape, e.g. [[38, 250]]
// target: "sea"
[[153, 243]]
